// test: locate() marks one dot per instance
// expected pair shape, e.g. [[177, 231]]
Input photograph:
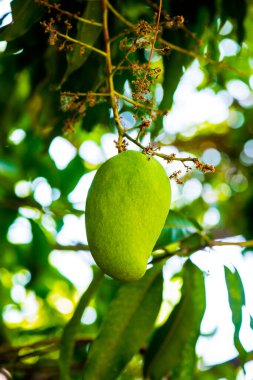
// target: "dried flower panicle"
[[175, 176], [143, 29], [203, 167], [174, 22], [121, 145], [143, 36]]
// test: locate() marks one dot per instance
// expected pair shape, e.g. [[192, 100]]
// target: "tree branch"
[[213, 243], [110, 75], [74, 247], [68, 38], [192, 54], [72, 15]]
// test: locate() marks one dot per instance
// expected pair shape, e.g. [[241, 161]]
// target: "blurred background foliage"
[[48, 155]]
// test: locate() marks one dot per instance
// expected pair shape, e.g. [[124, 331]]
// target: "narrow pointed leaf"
[[72, 327], [24, 14], [85, 33], [223, 370], [126, 327], [172, 349], [236, 299], [176, 227], [251, 321]]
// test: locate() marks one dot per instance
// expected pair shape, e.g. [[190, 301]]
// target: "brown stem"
[[68, 38], [248, 243], [137, 104], [188, 251], [74, 247], [110, 74], [204, 58], [155, 34], [72, 15]]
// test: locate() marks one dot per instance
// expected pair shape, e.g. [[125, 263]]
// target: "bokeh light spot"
[[62, 152]]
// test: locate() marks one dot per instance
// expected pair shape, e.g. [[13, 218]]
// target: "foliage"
[[86, 73]]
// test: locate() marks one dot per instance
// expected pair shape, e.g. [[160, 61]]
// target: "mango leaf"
[[172, 348], [7, 217], [24, 14], [70, 176], [126, 327], [251, 321], [40, 245], [193, 242], [224, 370], [36, 259], [72, 327], [176, 227], [235, 9], [65, 179], [236, 299], [85, 33]]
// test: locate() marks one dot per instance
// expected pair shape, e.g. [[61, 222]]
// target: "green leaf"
[[70, 176], [236, 299], [251, 321], [172, 348], [36, 259], [235, 9], [176, 227], [85, 33], [6, 219], [65, 179], [224, 370], [127, 325], [193, 242], [24, 13], [72, 327]]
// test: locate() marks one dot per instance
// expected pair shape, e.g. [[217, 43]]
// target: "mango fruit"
[[126, 208]]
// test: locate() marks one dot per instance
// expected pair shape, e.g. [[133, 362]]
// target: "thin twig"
[[137, 104], [72, 15], [213, 243], [90, 93], [192, 54], [248, 243], [188, 251], [122, 61], [44, 342], [155, 34], [110, 74], [119, 16], [164, 156], [68, 38], [74, 247], [129, 100], [204, 58]]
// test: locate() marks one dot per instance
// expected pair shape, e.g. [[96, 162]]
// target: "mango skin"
[[126, 208]]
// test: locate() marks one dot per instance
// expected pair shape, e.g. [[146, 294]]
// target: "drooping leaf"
[[71, 175], [127, 325], [24, 14], [72, 327], [235, 9], [172, 348], [224, 370], [251, 321], [7, 217], [192, 242], [236, 299], [36, 259], [176, 227], [85, 33]]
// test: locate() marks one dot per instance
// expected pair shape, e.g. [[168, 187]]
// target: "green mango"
[[126, 208]]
